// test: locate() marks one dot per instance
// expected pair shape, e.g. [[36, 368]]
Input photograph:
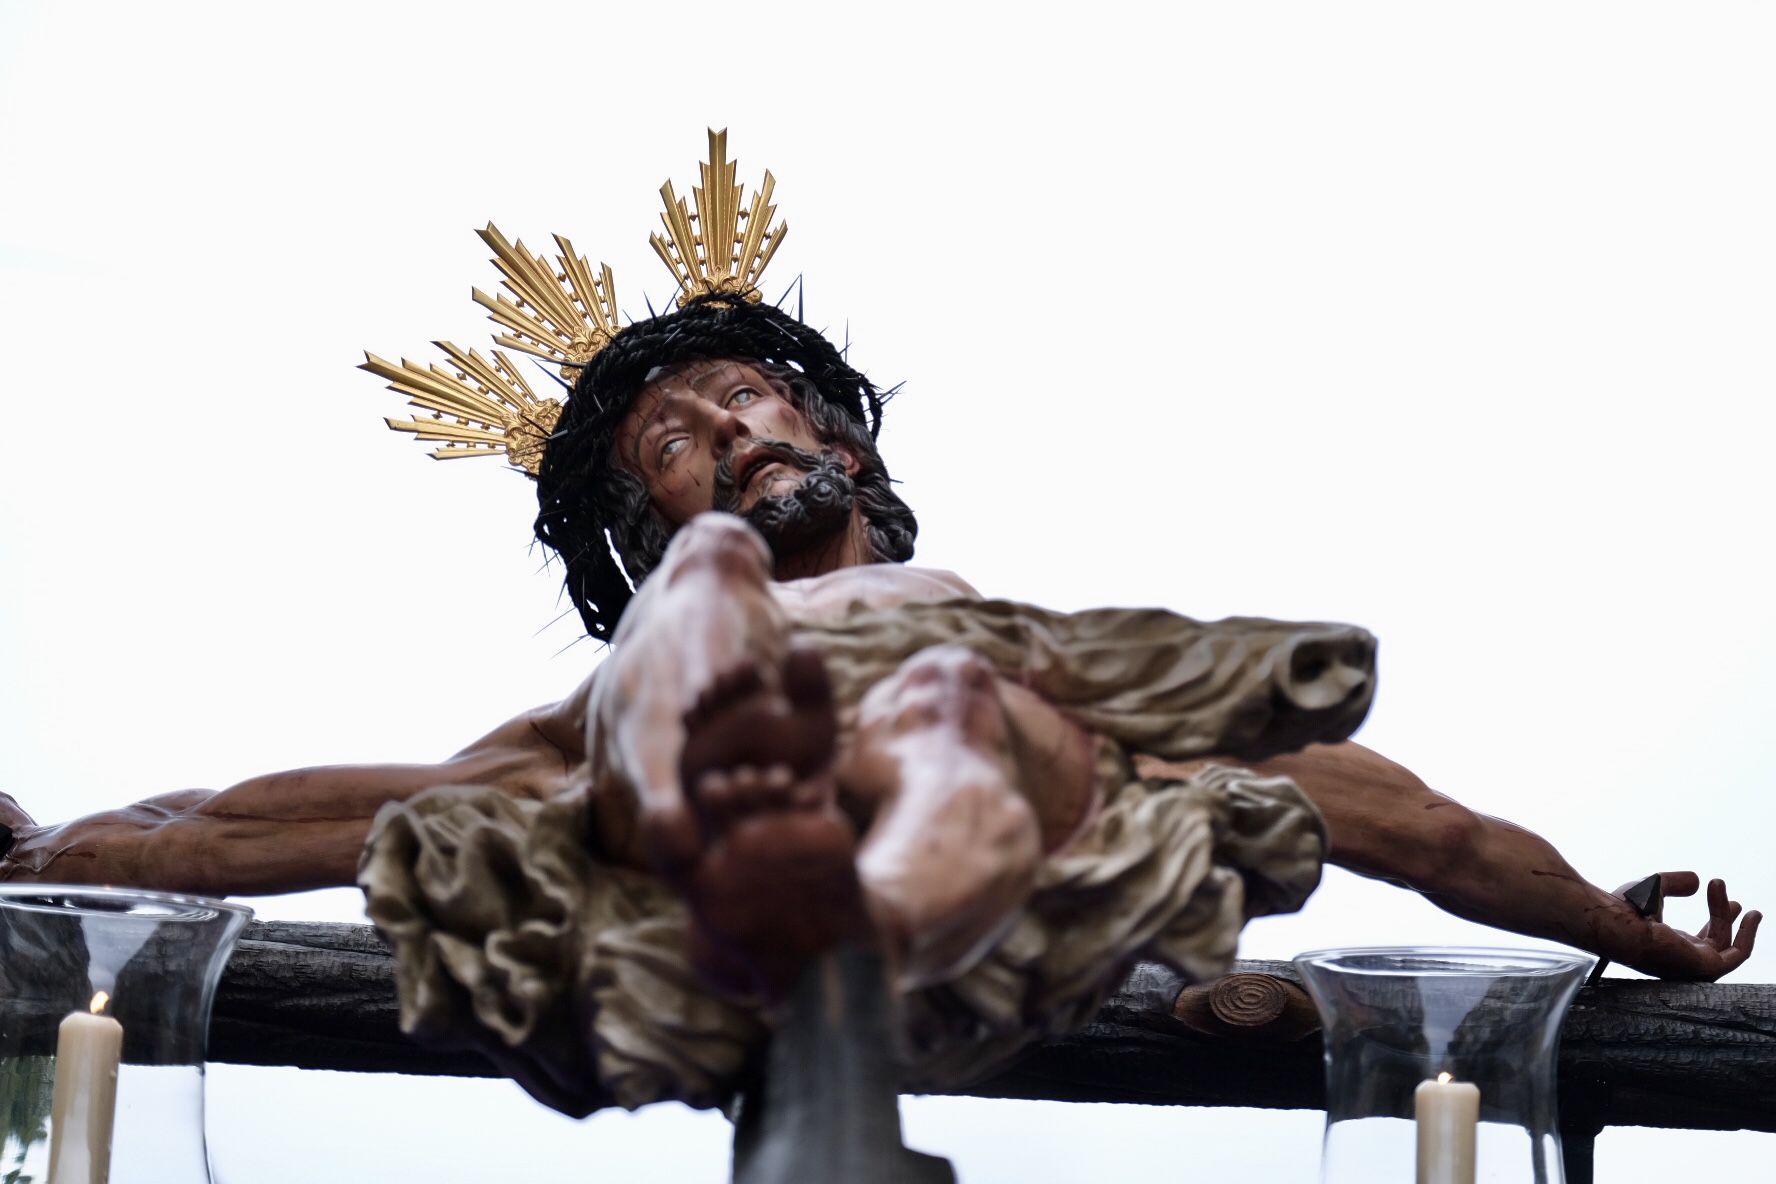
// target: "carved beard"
[[812, 513]]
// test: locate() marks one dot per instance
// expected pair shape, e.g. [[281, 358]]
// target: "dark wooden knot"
[[1248, 1005], [1248, 1000]]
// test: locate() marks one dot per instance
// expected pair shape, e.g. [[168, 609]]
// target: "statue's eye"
[[673, 447], [742, 397]]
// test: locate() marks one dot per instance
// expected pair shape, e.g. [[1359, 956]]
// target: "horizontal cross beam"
[[1633, 1053]]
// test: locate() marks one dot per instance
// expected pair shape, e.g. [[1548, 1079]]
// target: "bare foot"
[[704, 629], [776, 881], [954, 847]]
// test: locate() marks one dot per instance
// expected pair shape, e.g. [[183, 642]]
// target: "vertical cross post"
[[826, 1104]]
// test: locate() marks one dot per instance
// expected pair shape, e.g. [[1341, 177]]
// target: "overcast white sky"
[[1453, 322]]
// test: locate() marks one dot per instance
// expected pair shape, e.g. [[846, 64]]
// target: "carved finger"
[[1720, 932], [1730, 960], [1748, 933], [1679, 883]]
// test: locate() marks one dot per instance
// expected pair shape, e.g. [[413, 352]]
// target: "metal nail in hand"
[[1647, 898]]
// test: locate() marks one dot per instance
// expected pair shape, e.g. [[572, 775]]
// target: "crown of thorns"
[[564, 313]]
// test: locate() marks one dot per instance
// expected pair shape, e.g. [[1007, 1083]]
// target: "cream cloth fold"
[[572, 975]]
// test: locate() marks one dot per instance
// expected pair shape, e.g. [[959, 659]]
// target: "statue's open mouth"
[[761, 474]]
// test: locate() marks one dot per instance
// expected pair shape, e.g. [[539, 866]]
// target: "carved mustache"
[[738, 463]]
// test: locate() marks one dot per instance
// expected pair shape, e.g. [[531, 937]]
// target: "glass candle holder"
[[1440, 1063], [104, 1010]]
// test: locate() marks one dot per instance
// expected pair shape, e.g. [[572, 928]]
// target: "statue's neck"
[[848, 548]]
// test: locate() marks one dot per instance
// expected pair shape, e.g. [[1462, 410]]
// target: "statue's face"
[[692, 419]]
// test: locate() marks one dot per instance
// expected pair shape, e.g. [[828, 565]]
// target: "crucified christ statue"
[[712, 749], [800, 741]]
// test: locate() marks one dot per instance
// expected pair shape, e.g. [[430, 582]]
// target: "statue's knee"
[[949, 666], [721, 542], [941, 676]]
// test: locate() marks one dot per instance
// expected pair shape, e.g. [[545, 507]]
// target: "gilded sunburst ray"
[[479, 408], [719, 248], [564, 313]]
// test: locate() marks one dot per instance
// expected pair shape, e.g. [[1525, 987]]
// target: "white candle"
[[1448, 1115], [88, 1048]]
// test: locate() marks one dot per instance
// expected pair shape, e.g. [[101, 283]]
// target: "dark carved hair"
[[582, 492]]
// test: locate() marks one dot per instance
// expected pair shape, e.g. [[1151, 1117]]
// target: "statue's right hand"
[[1712, 952]]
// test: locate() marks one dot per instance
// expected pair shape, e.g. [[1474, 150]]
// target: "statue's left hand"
[[1715, 949]]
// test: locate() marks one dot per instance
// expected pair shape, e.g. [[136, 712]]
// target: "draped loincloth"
[[572, 975]]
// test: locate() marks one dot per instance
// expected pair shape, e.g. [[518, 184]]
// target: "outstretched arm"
[[1384, 822], [286, 832]]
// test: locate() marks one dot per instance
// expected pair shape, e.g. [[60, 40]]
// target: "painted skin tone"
[[677, 787]]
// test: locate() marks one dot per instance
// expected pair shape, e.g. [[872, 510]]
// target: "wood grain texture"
[[1633, 1053], [320, 996]]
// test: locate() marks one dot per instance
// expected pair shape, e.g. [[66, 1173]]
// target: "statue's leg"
[[726, 735], [966, 776], [704, 621]]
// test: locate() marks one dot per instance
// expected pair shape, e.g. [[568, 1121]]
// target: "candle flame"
[[98, 1002], [1444, 1078]]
